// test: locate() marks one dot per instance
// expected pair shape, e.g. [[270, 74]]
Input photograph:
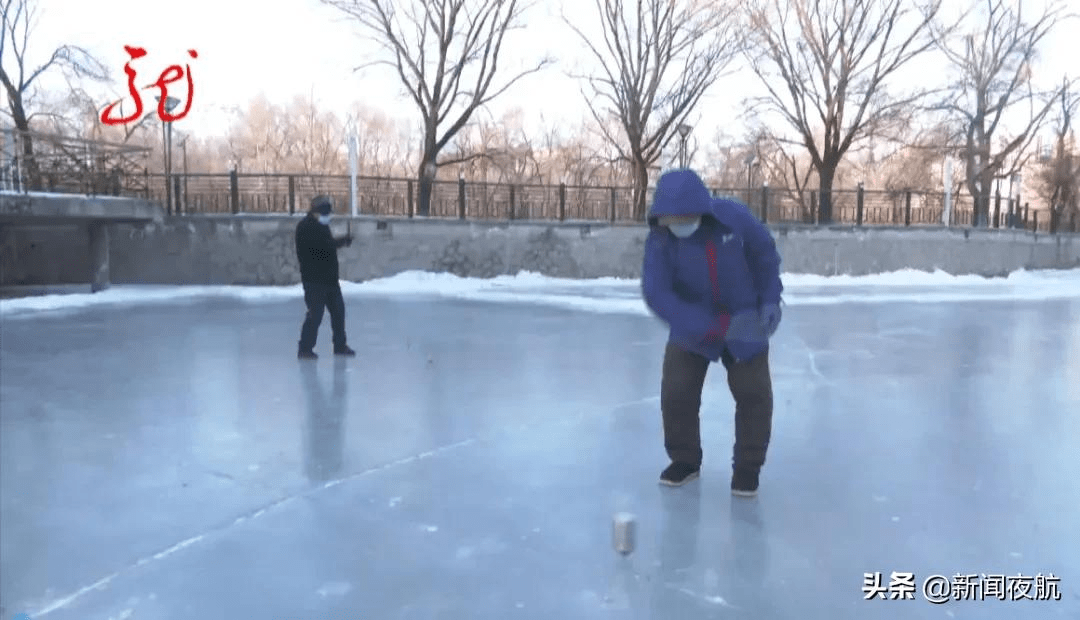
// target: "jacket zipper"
[[714, 279]]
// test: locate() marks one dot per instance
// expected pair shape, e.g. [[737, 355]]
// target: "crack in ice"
[[102, 583]]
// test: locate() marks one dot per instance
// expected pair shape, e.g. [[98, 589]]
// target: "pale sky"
[[287, 47]]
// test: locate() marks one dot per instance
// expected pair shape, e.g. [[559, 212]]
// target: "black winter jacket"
[[316, 251]]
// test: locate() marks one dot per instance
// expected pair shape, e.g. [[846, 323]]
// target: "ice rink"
[[165, 456]]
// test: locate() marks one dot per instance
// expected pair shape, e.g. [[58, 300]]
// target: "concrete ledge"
[[35, 208], [259, 250]]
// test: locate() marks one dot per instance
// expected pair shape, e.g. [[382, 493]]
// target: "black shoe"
[[344, 350], [744, 482], [307, 355], [678, 474]]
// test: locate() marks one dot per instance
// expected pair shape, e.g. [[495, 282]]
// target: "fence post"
[[146, 183], [176, 194], [813, 208], [412, 205], [511, 214], [562, 201], [907, 208], [765, 202], [461, 197], [1072, 222], [292, 195], [859, 198], [1035, 221], [234, 191], [1026, 215], [612, 214]]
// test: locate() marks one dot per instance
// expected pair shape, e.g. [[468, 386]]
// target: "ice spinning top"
[[622, 532]]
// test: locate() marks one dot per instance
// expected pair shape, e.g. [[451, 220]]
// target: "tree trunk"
[[425, 180], [428, 169], [29, 162], [979, 185], [640, 172], [826, 174], [979, 175]]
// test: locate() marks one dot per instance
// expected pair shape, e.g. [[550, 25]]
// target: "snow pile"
[[604, 295]]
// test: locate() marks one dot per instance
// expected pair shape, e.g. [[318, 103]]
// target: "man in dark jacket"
[[712, 273], [316, 251]]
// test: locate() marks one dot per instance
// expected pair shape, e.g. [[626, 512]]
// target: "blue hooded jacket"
[[710, 286]]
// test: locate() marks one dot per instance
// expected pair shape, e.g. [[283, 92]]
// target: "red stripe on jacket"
[[720, 328]]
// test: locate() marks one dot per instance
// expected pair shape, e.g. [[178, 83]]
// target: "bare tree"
[[433, 45], [826, 65], [793, 169], [316, 137], [1059, 176], [914, 165], [657, 59], [993, 64], [735, 162], [497, 150], [378, 143], [18, 79], [262, 137]]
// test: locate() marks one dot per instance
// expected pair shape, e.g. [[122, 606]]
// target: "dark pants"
[[680, 403], [319, 296]]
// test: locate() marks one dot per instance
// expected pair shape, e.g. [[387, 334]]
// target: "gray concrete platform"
[[175, 461], [40, 208]]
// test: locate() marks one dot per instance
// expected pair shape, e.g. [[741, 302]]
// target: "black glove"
[[347, 240]]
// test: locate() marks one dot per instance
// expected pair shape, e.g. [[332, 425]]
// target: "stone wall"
[[259, 250]]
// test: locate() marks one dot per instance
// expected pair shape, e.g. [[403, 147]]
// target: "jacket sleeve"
[[657, 283], [763, 260]]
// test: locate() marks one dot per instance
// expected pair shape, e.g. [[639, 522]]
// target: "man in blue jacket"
[[712, 273]]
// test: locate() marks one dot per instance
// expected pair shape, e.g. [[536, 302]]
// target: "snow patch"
[[598, 295]]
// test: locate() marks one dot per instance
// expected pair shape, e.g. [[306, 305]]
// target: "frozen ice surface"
[[168, 460]]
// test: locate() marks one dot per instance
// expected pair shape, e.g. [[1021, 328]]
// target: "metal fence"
[[283, 193], [40, 162], [464, 199], [33, 161]]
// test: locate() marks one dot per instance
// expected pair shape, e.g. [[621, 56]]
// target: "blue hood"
[[681, 192]]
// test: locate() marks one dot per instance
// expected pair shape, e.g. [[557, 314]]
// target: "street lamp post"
[[684, 131], [166, 145], [179, 203]]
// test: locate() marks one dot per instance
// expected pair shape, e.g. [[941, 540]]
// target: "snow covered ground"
[[604, 295]]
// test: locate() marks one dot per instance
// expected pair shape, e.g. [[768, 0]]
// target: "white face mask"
[[324, 219], [683, 231]]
